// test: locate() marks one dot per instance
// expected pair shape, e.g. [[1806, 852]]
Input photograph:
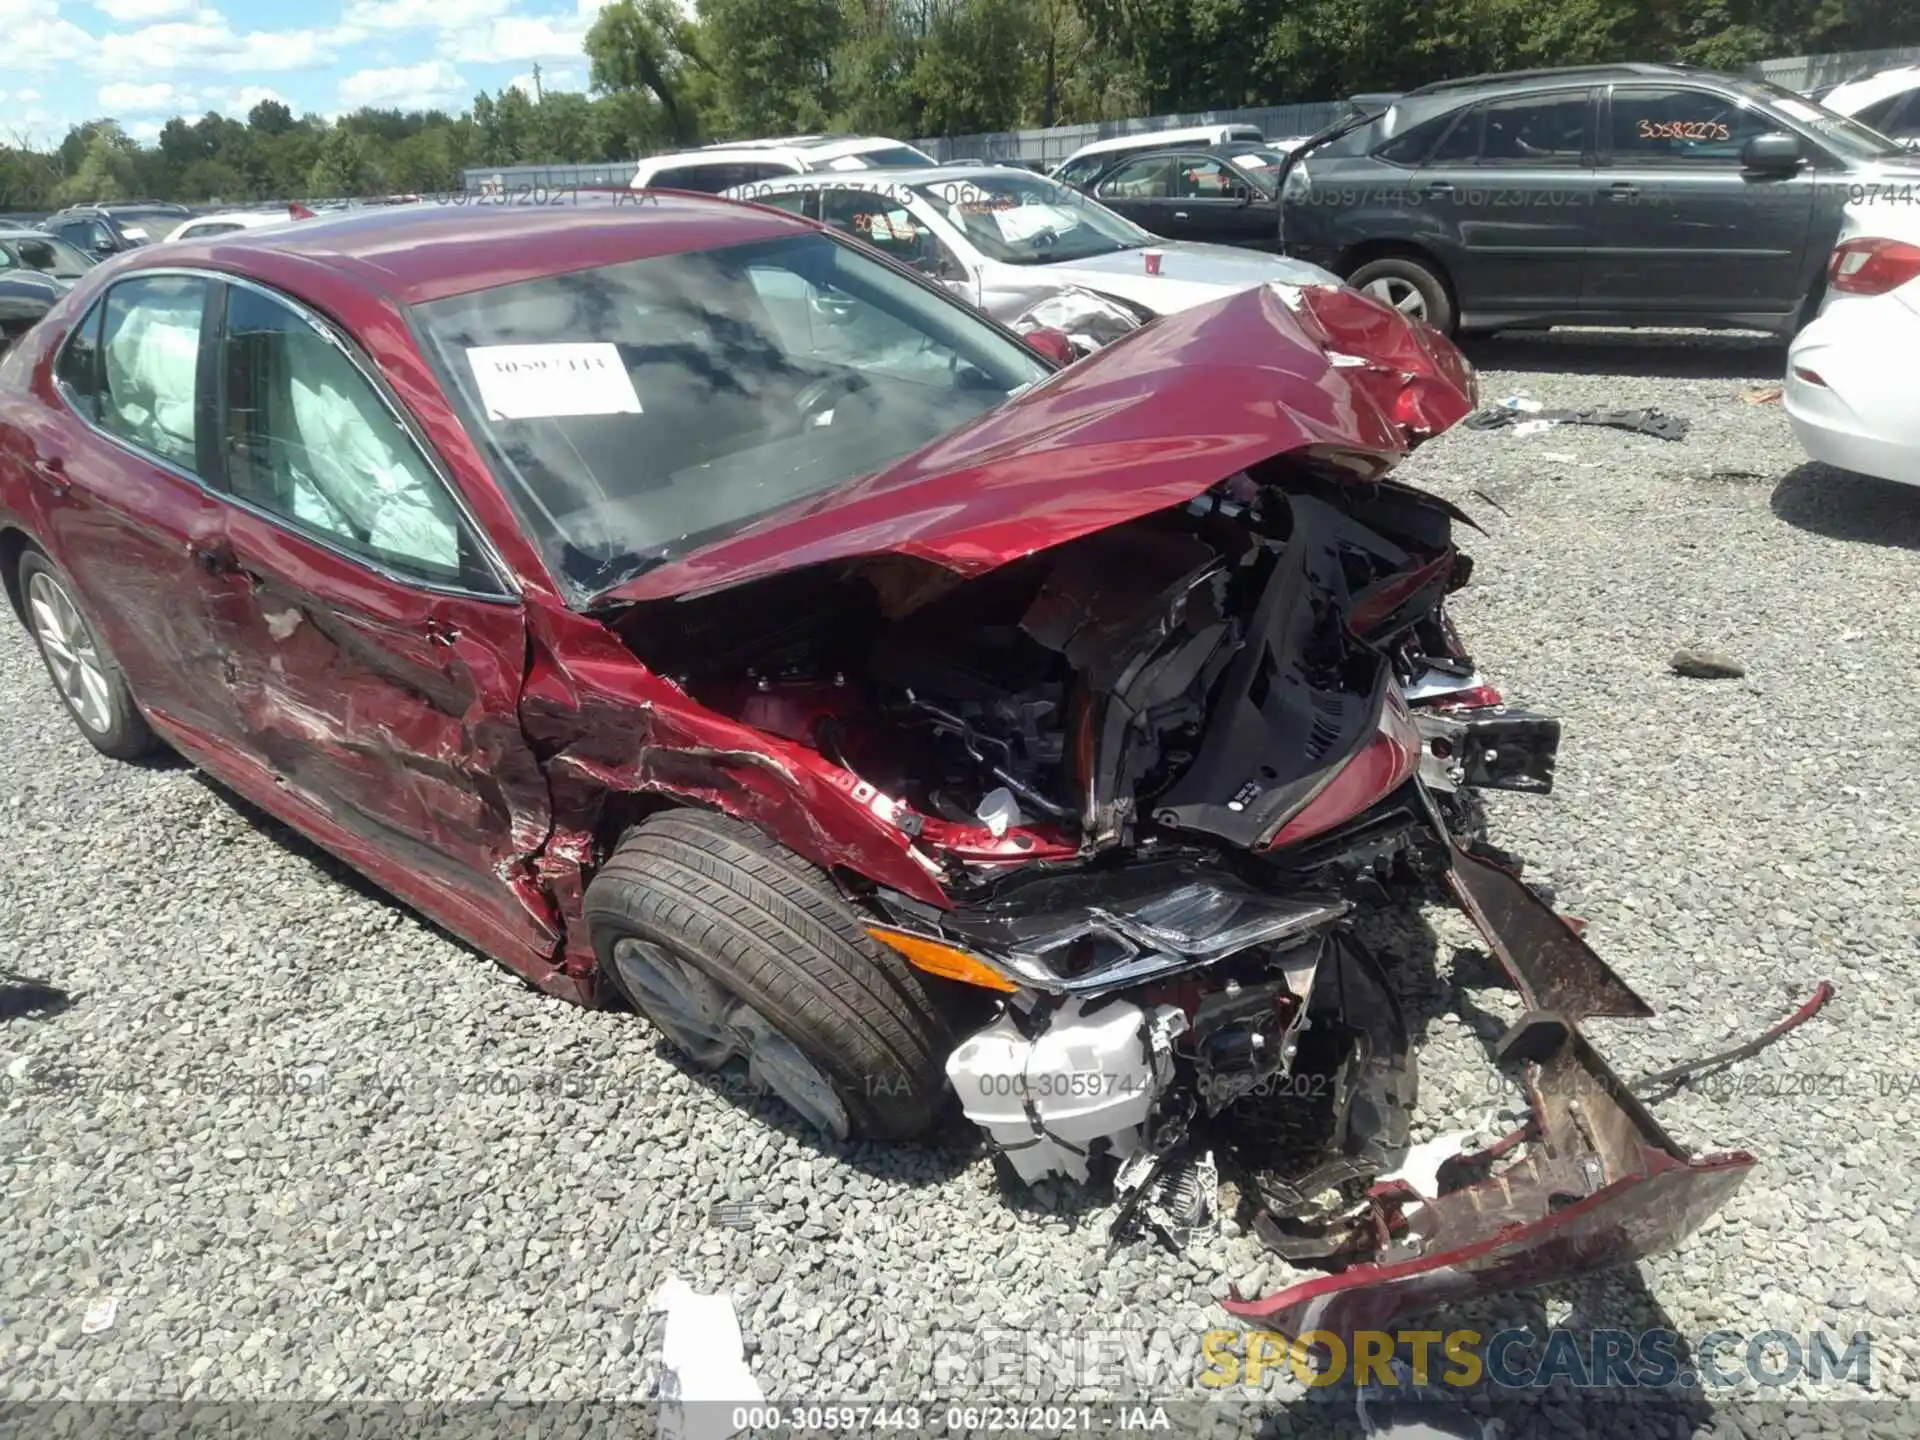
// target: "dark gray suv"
[[1596, 195]]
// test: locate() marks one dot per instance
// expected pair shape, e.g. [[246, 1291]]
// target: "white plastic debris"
[[1534, 427], [703, 1367], [1420, 1170], [999, 811], [1520, 402], [100, 1315]]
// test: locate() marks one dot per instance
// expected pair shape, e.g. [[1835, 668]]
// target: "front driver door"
[[376, 652], [1142, 190], [1214, 202], [1684, 227]]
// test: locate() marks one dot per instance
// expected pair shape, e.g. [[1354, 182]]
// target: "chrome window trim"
[[509, 593]]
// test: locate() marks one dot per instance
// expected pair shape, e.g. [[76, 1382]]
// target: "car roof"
[[1158, 139], [416, 253], [1625, 70], [25, 232], [1866, 89], [806, 147], [868, 179]]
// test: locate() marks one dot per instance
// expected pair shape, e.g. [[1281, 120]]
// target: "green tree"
[[651, 46], [343, 166]]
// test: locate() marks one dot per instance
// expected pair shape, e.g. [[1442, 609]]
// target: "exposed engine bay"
[[1157, 769]]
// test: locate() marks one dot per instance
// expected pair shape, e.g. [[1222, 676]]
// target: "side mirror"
[[1774, 153], [1052, 345]]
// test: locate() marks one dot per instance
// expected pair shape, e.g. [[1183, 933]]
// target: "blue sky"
[[143, 61]]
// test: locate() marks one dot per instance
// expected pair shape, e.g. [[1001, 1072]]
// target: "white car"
[[720, 167], [1028, 250], [1887, 101], [1850, 374], [1089, 160], [200, 227]]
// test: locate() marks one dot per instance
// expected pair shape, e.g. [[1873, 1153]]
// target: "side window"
[[1878, 115], [1146, 179], [78, 368], [794, 202], [307, 438], [1686, 127], [1537, 130], [150, 361], [1410, 147], [1200, 177]]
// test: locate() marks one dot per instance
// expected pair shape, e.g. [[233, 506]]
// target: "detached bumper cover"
[[1593, 1183]]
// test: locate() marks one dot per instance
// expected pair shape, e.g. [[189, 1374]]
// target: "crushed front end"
[[1155, 770]]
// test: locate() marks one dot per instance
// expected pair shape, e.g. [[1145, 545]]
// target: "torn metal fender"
[[606, 727], [1597, 1184]]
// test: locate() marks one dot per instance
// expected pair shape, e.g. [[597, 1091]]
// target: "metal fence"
[[1811, 72], [1050, 146]]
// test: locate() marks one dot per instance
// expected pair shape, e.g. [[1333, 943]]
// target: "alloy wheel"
[[1402, 295], [71, 653], [713, 1026]]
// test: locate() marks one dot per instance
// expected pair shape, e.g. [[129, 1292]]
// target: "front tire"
[[82, 668], [736, 948], [1410, 287]]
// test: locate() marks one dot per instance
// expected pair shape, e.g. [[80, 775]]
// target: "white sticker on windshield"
[[534, 382], [1799, 110], [1023, 222]]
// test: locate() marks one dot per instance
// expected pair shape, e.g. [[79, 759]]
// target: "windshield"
[[894, 157], [639, 411], [1853, 140], [1025, 219], [47, 254]]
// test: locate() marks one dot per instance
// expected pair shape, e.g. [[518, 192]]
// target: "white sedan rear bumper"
[[1866, 417]]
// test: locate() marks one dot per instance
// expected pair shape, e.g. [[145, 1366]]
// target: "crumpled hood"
[[1189, 274], [1146, 423]]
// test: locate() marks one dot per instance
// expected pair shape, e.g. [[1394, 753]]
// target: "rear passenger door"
[[375, 651], [1685, 227], [1509, 193]]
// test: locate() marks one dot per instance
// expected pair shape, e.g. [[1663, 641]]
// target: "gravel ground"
[[315, 1149]]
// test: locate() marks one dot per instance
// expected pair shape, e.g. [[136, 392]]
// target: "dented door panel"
[[390, 710]]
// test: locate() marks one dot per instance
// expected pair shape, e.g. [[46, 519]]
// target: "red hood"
[[1149, 422]]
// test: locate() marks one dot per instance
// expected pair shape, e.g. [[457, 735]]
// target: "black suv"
[[103, 230], [1595, 195]]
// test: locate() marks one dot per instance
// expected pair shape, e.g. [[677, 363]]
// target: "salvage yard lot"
[[317, 1149]]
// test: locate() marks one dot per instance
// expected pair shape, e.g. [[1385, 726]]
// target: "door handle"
[[440, 632], [216, 558], [1439, 187], [53, 469], [1179, 214], [1623, 189]]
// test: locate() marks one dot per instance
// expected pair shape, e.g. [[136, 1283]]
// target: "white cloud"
[[421, 14], [122, 98], [145, 131], [432, 84], [189, 47], [248, 96], [552, 81], [517, 39], [44, 43], [129, 12]]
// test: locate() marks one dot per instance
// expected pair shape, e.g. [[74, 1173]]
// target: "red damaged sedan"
[[692, 608]]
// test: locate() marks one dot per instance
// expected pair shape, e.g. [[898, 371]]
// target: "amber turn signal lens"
[[938, 959]]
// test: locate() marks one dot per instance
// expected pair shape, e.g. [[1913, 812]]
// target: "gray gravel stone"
[[317, 1149]]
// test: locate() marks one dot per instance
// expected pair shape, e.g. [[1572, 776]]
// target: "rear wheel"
[[83, 669], [1408, 286], [737, 949]]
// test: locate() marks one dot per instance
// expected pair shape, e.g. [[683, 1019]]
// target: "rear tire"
[[83, 670], [736, 948], [1410, 287]]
